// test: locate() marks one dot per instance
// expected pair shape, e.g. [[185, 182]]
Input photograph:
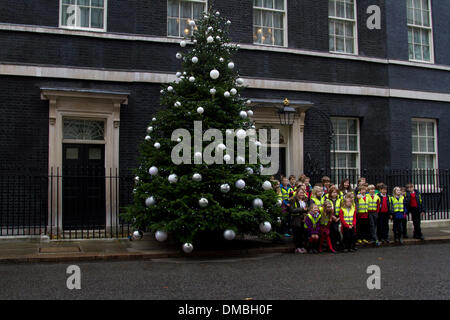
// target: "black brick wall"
[[371, 43]]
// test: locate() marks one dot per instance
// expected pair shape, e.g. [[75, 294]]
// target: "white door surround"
[[90, 105], [266, 113]]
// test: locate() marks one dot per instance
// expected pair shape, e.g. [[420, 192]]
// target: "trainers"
[[377, 243], [366, 241], [287, 235], [359, 241]]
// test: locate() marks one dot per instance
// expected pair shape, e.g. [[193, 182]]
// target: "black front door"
[[83, 186]]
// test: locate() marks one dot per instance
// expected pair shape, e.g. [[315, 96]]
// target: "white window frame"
[[334, 151], [436, 151], [421, 27], [355, 31], [285, 25], [105, 14], [180, 36]]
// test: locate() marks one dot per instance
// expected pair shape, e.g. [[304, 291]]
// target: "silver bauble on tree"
[[161, 236], [265, 227], [137, 235], [257, 203], [229, 234], [153, 171], [187, 247], [225, 188], [150, 201]]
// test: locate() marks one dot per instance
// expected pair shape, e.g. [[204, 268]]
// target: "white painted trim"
[[176, 40], [155, 77]]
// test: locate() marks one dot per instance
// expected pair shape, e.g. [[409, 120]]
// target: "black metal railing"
[[88, 203], [432, 183], [71, 203]]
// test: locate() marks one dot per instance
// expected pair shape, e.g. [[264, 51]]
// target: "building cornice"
[[253, 83]]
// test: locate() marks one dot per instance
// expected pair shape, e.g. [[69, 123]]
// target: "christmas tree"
[[179, 192]]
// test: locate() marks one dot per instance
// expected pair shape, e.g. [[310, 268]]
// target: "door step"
[[60, 249]]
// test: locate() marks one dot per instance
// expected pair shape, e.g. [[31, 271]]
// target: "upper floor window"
[[342, 26], [269, 22], [180, 12], [420, 32], [345, 152], [424, 144], [83, 14]]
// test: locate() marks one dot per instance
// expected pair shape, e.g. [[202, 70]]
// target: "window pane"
[[417, 52], [172, 8], [172, 26], [267, 19], [421, 162], [342, 143], [415, 132], [340, 9], [186, 8], [349, 11], [430, 162], [186, 29], [68, 2], [68, 16], [257, 3], [430, 129], [352, 127], [279, 4], [267, 36], [422, 128], [353, 143], [278, 37], [278, 20], [410, 15], [257, 17], [331, 43], [422, 144], [418, 17], [268, 4], [84, 17], [97, 18], [349, 29], [415, 144], [341, 160], [331, 11], [426, 18], [425, 5], [83, 2], [341, 126], [351, 160], [339, 28], [97, 3], [426, 53], [430, 145], [349, 45]]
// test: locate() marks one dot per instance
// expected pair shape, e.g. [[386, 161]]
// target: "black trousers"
[[405, 226], [299, 236], [415, 215], [335, 235], [363, 228], [349, 238], [398, 228], [383, 226]]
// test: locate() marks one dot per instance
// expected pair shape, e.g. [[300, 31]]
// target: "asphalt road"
[[409, 272]]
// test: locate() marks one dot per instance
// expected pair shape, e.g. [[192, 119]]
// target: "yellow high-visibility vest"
[[372, 203], [314, 221], [348, 215]]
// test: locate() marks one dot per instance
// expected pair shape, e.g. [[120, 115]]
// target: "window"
[[345, 149], [180, 12], [342, 26], [424, 144], [420, 35], [74, 129], [269, 21], [83, 14]]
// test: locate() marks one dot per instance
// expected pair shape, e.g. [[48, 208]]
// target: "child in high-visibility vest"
[[298, 209], [316, 196], [347, 216], [383, 214], [327, 216], [312, 226], [373, 206], [362, 216], [398, 212], [336, 201]]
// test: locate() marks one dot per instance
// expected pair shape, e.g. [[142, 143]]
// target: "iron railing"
[[69, 204], [75, 203], [432, 183]]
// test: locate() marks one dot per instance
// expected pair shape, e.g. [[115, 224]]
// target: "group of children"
[[343, 217]]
